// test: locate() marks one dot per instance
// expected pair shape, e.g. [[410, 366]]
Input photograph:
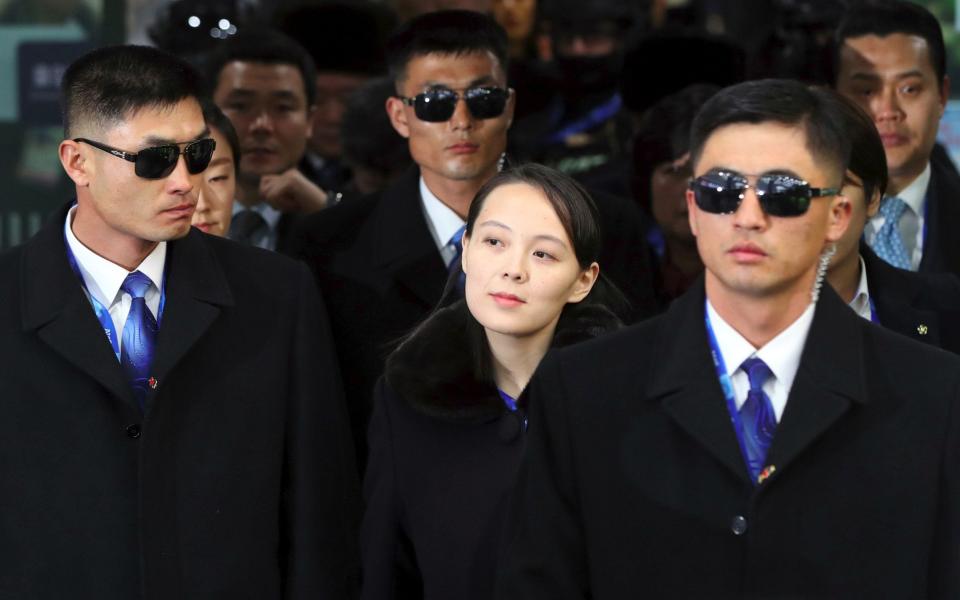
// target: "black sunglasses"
[[159, 161], [780, 195], [437, 105]]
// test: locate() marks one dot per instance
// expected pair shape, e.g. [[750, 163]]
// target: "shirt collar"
[[861, 299], [781, 354], [269, 213], [914, 195], [444, 222], [104, 278]]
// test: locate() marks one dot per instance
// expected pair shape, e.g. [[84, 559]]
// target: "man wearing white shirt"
[[891, 60], [759, 440], [170, 409]]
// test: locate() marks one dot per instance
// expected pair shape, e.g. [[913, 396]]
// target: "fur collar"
[[433, 370]]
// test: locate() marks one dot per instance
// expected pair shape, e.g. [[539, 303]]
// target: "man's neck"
[[901, 181], [758, 319], [844, 277], [119, 248], [457, 194], [516, 358]]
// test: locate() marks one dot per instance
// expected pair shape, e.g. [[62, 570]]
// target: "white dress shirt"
[[442, 221], [104, 278], [912, 221], [861, 299], [268, 239], [781, 354]]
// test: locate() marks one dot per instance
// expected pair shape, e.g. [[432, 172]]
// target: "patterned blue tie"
[[757, 416], [456, 240], [887, 243], [139, 336]]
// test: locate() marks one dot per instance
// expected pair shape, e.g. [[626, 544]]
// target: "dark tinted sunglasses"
[[438, 105], [780, 195], [159, 161]]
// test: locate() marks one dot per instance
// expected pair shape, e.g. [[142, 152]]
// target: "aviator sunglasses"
[[780, 195], [437, 105], [159, 161]]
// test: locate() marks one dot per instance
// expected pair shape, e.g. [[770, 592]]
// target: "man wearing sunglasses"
[[759, 440], [171, 416]]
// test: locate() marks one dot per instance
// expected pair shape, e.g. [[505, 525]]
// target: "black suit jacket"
[[941, 251], [922, 306], [237, 482], [634, 485], [381, 273]]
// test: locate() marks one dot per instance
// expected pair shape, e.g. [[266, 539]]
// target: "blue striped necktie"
[[757, 416], [457, 241], [139, 336]]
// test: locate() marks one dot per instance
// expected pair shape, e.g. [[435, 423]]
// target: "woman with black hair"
[[447, 432]]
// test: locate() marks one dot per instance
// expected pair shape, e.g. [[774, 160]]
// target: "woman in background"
[[219, 185], [447, 432]]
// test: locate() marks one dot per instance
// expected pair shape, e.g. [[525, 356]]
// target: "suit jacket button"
[[133, 431], [738, 525]]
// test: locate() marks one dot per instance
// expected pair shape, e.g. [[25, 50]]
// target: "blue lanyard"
[[511, 404], [873, 312], [725, 383], [103, 315], [593, 118]]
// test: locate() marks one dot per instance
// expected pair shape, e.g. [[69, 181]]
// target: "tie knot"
[[136, 284], [892, 208], [757, 372], [244, 224], [457, 236]]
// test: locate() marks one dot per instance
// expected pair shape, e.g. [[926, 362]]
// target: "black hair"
[[109, 84], [885, 17], [342, 37], [368, 137], [602, 310], [264, 46], [868, 160], [215, 119], [455, 32], [783, 101], [663, 135]]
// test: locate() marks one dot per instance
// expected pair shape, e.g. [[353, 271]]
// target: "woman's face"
[[520, 265], [849, 245], [515, 16], [217, 190], [668, 198]]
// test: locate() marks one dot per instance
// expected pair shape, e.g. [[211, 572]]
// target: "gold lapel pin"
[[922, 329], [766, 473]]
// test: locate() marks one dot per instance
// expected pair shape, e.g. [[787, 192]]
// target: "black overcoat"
[[237, 482]]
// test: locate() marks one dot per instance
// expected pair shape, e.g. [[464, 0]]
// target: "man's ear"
[[691, 212], [839, 218], [311, 112], [77, 167], [398, 116]]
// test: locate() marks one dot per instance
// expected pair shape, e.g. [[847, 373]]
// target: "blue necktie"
[[887, 243], [757, 416], [139, 336], [456, 240]]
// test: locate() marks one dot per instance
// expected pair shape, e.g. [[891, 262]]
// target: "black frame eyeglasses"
[[159, 161], [721, 191], [439, 104]]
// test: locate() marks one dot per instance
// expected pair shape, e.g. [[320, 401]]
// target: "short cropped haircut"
[[885, 17], [264, 46], [215, 119], [868, 160], [456, 32], [108, 85], [783, 101], [663, 135]]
